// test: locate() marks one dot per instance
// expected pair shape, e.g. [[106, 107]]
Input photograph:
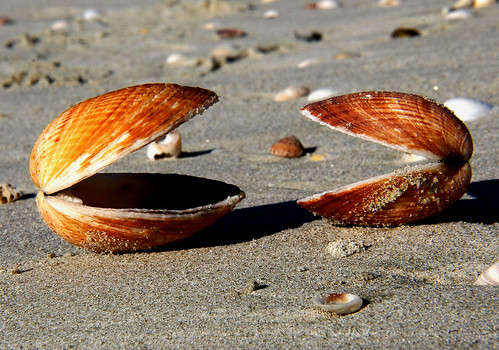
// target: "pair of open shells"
[[128, 212]]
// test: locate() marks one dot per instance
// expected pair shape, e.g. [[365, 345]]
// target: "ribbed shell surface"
[[99, 131], [398, 120]]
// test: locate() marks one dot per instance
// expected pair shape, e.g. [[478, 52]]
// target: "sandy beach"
[[248, 280]]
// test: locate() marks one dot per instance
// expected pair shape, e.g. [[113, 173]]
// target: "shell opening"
[[148, 191]]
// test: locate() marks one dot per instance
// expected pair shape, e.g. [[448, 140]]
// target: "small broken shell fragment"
[[405, 33], [490, 277], [123, 212], [9, 194], [288, 147], [231, 33], [308, 62], [408, 123], [339, 303], [457, 14], [346, 55], [4, 20], [468, 109], [167, 146], [317, 158], [389, 2], [292, 92]]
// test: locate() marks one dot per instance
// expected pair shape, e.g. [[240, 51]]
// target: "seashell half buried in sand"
[[288, 147], [339, 303], [123, 212], [490, 277], [408, 123]]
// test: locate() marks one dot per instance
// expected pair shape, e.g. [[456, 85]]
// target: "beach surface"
[[248, 280]]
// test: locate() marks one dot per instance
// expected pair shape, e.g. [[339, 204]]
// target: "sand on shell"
[[417, 281]]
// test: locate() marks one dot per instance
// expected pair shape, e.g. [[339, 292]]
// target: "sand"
[[248, 280]]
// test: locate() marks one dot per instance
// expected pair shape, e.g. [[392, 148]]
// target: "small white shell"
[[271, 13], [490, 276], [327, 4], [457, 14], [321, 94], [339, 303], [291, 93], [467, 108], [91, 14], [168, 146], [308, 62], [59, 25]]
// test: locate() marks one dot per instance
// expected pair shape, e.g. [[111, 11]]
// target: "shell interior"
[[151, 193]]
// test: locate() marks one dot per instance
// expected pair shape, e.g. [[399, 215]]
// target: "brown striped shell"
[[113, 213], [406, 122]]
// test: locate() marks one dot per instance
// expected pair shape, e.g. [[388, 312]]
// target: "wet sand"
[[248, 280]]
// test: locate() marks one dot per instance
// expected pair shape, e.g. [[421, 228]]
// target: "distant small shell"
[[4, 20], [490, 276], [271, 13], [324, 5], [317, 158], [168, 146], [389, 2], [405, 33], [308, 62], [346, 55], [91, 14], [8, 194], [457, 14], [482, 3], [321, 94], [59, 25], [288, 147], [291, 92], [230, 33], [472, 3], [175, 58], [339, 303], [467, 108]]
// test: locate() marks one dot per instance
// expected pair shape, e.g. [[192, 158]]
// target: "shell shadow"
[[483, 208], [246, 224]]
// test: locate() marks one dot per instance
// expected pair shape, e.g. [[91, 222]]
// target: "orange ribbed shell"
[[406, 122], [97, 132]]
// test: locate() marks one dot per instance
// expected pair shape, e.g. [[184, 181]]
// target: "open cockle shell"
[[406, 122], [123, 212]]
